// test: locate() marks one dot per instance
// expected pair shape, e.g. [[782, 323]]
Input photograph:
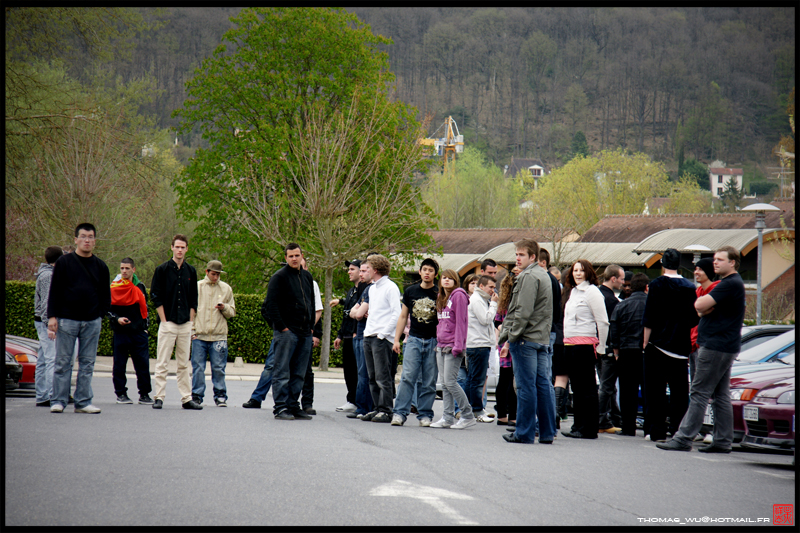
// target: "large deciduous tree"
[[306, 145]]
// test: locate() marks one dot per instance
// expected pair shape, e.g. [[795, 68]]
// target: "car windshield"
[[781, 343]]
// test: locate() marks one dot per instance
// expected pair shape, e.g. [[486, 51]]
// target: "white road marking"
[[430, 495], [774, 474]]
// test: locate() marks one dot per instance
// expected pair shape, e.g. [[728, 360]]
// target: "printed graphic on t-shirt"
[[424, 310]]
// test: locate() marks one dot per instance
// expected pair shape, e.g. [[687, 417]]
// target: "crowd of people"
[[546, 330]]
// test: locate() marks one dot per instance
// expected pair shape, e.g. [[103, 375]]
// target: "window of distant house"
[[719, 191], [536, 172], [719, 179]]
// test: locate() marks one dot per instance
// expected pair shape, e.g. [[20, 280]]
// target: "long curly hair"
[[506, 290], [569, 280]]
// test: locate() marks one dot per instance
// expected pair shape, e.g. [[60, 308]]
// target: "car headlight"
[[25, 358], [744, 395], [786, 397]]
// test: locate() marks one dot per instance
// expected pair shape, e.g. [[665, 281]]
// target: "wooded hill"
[[521, 82]]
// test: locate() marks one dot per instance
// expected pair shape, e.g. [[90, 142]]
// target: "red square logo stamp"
[[783, 515]]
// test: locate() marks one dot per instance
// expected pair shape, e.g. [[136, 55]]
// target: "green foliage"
[[249, 336], [475, 194], [579, 147], [687, 197], [731, 196], [763, 188], [693, 167]]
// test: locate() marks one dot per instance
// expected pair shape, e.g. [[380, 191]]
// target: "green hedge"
[[248, 335]]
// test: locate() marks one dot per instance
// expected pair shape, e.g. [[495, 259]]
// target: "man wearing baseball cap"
[[215, 306], [346, 333]]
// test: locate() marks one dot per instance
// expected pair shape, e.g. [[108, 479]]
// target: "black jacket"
[[611, 303], [80, 288], [558, 313], [626, 330], [348, 327], [670, 314], [290, 301], [175, 289]]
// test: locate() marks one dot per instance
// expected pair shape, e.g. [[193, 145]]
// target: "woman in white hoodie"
[[481, 339], [585, 334]]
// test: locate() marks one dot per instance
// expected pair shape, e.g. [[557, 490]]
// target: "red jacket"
[[700, 292]]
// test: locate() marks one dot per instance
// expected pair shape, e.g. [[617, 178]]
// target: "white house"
[[719, 177]]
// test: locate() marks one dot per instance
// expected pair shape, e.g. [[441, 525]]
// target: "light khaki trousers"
[[178, 336]]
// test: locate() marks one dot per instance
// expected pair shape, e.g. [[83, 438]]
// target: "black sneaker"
[[285, 415], [220, 402], [145, 399], [302, 415], [158, 404], [252, 404], [45, 403], [310, 410], [382, 417], [192, 405], [123, 398], [197, 399], [369, 416]]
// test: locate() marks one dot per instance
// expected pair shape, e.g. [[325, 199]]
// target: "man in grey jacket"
[[45, 365], [527, 329]]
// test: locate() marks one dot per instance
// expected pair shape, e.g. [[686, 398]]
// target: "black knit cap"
[[671, 259], [707, 266]]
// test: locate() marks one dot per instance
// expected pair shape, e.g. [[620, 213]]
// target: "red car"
[[744, 388], [769, 418], [24, 351]]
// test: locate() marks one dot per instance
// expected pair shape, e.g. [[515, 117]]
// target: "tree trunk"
[[325, 343]]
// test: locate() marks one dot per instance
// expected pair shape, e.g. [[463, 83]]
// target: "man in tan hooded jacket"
[[215, 306]]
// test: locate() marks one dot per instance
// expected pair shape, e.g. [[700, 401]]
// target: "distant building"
[[719, 177], [536, 167]]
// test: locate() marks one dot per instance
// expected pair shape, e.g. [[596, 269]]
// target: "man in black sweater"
[[129, 323], [289, 309], [345, 337], [669, 317], [610, 418], [80, 295], [174, 294]]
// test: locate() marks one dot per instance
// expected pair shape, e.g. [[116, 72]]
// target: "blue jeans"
[[45, 365], [535, 395], [363, 396], [477, 365], [265, 381], [550, 374], [419, 375], [87, 333], [291, 361], [217, 353]]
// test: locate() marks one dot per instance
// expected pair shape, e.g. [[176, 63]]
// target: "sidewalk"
[[245, 372]]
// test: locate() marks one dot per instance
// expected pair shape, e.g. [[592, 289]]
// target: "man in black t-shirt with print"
[[419, 355], [719, 336]]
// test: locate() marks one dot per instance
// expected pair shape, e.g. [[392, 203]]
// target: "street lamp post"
[[760, 210]]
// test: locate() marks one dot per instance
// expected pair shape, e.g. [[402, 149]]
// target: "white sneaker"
[[347, 407], [425, 422], [56, 408], [485, 418], [441, 423], [464, 423], [91, 409], [708, 439], [397, 420]]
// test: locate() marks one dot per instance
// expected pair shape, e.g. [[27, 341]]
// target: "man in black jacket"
[[345, 337], [560, 394], [129, 322], [625, 338], [79, 297], [610, 418], [289, 309], [174, 294]]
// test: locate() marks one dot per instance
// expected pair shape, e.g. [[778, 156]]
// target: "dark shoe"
[[71, 399], [123, 398], [414, 410], [712, 448], [45, 403], [352, 414], [674, 445], [368, 417], [145, 399], [512, 430], [310, 410], [284, 415], [625, 433], [252, 404], [197, 399], [502, 422], [545, 441], [572, 434], [158, 404], [512, 437], [220, 402], [382, 418], [302, 415], [193, 405]]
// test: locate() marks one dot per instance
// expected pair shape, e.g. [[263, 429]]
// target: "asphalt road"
[[134, 466]]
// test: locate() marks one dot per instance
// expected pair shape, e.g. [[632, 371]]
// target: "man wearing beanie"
[[703, 274], [669, 317]]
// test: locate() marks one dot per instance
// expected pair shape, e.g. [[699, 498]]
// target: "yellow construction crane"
[[450, 144]]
